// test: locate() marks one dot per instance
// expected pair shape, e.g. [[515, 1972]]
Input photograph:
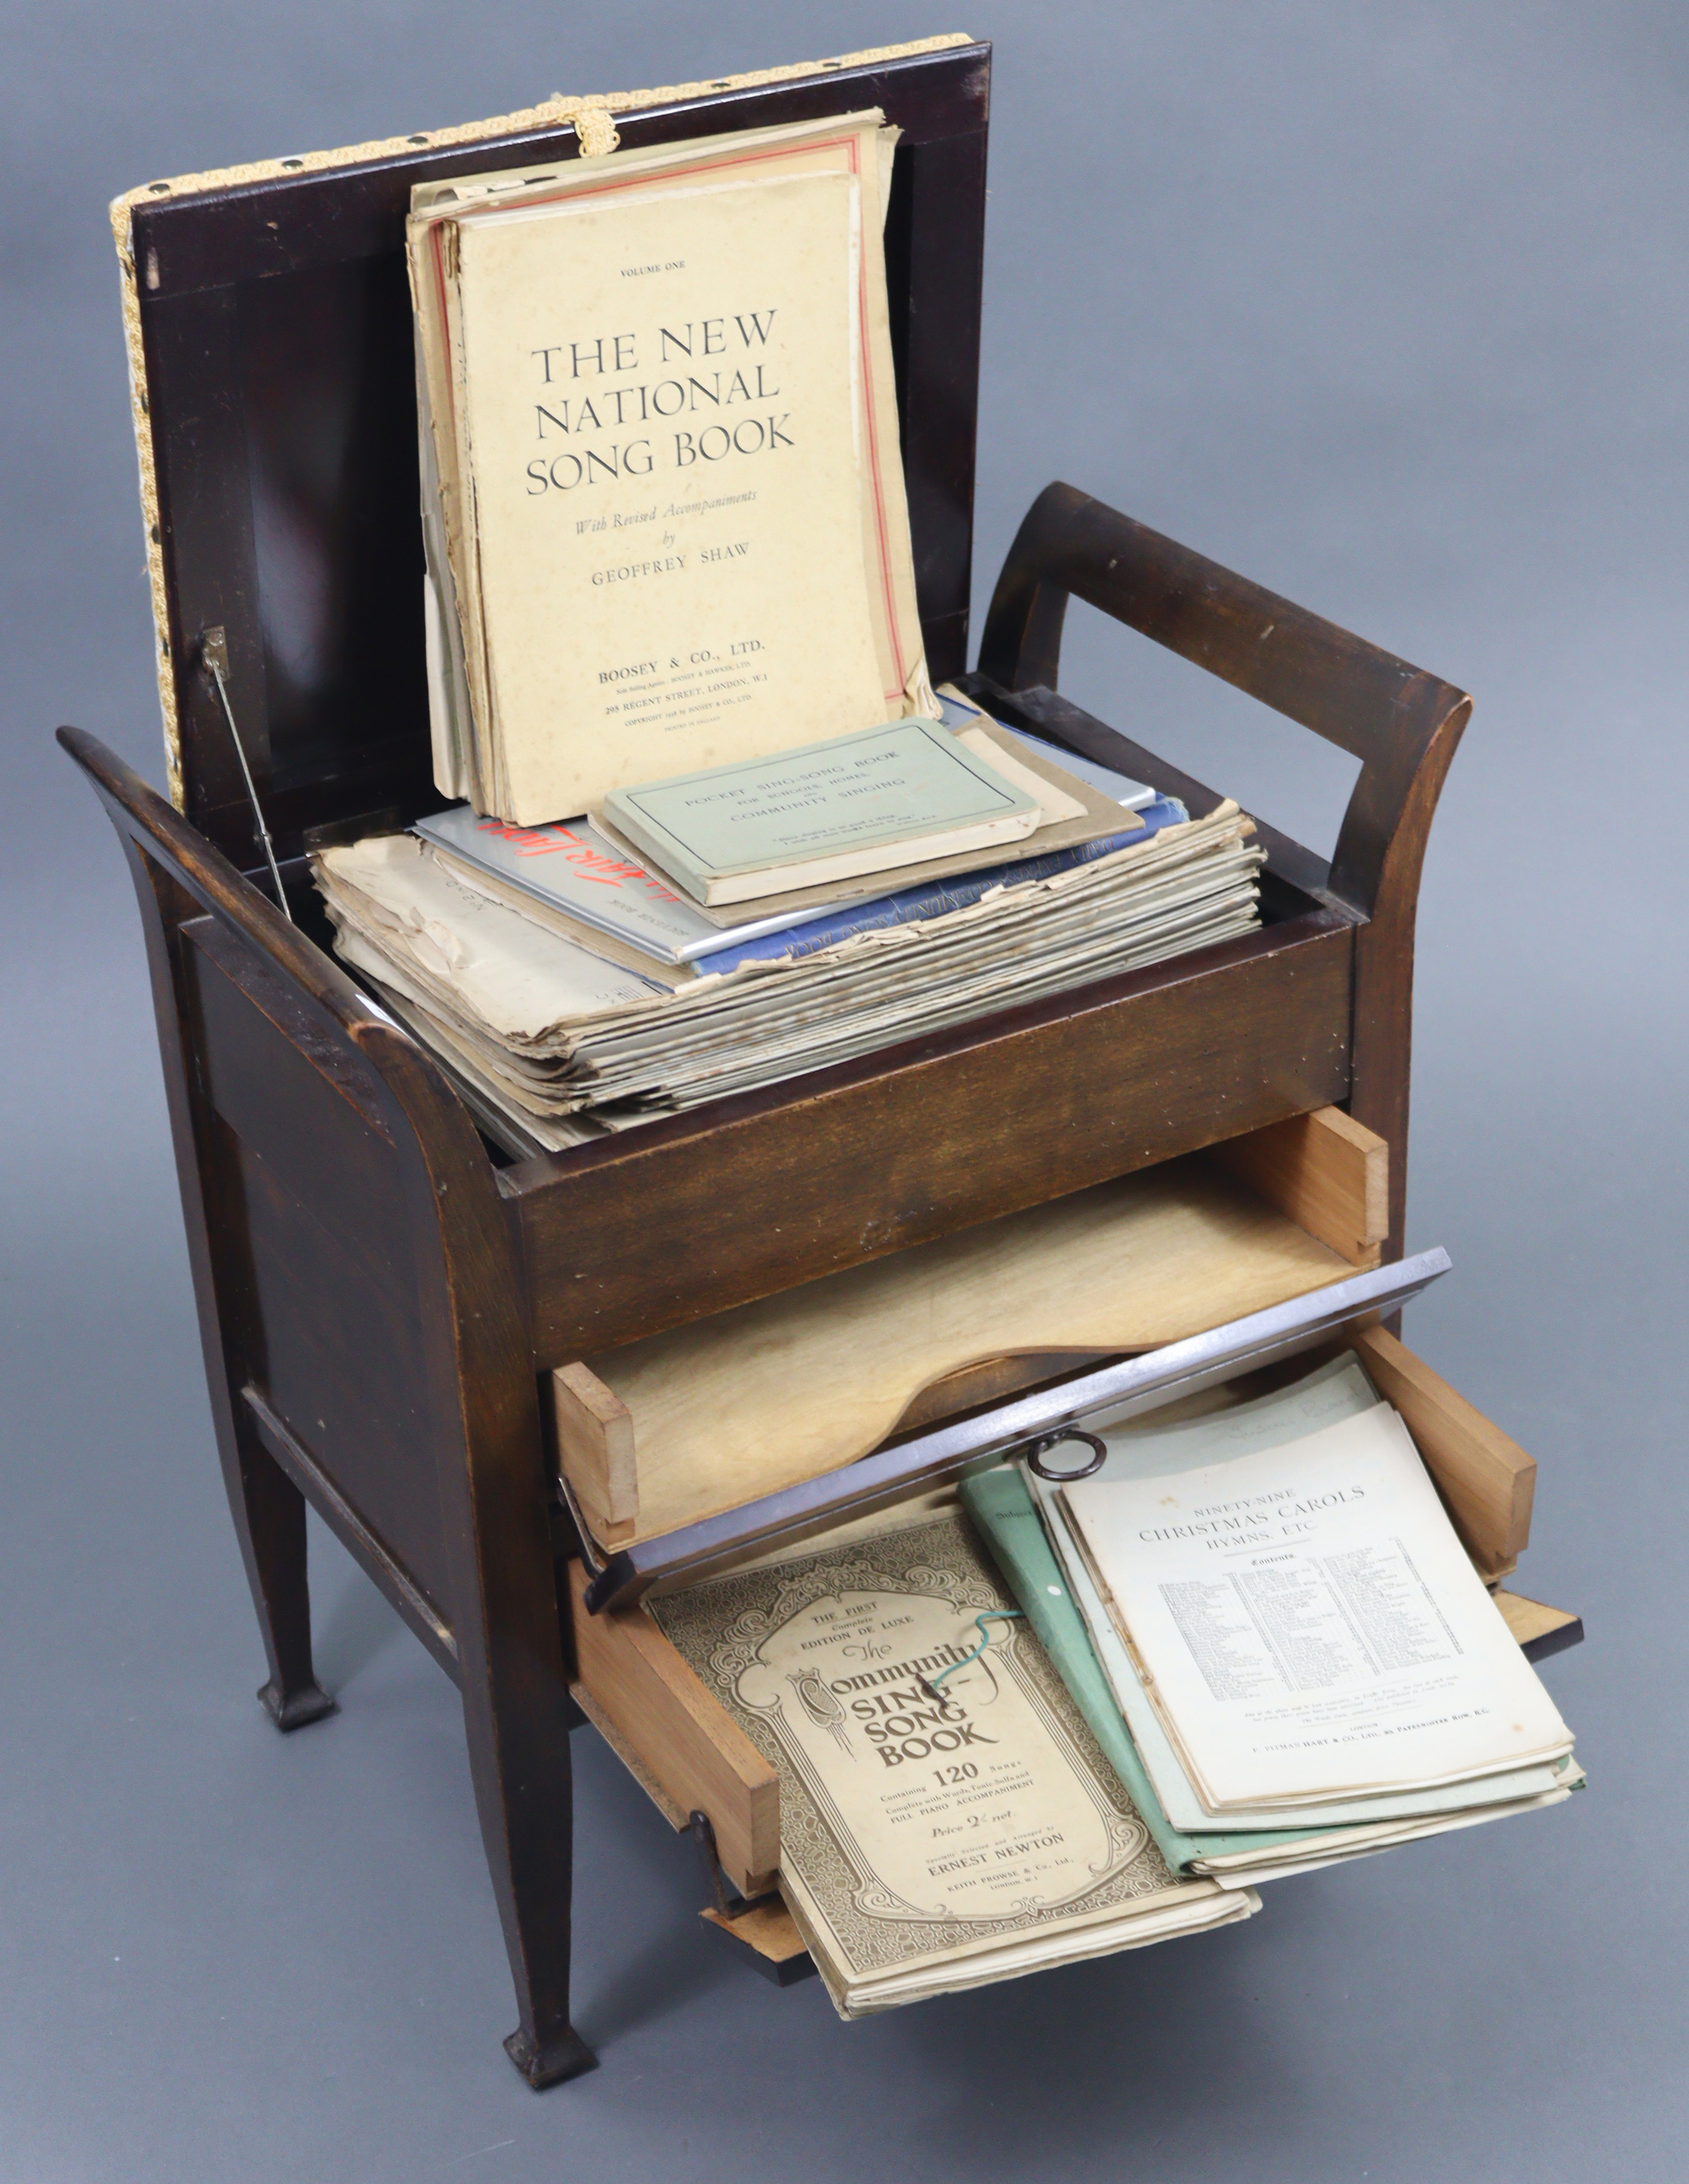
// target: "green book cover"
[[868, 791]]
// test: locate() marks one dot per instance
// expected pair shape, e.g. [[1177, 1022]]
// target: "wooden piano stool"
[[383, 1293]]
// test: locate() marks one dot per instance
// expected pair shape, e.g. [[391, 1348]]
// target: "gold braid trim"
[[597, 132]]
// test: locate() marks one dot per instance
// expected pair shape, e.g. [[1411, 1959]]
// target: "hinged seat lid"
[[271, 359]]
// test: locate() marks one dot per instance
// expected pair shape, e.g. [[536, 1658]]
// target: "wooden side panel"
[[761, 1193], [339, 1359], [696, 1753], [245, 1005], [325, 1313], [1487, 1481], [1328, 1171]]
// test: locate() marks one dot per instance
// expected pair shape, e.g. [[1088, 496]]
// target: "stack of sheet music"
[[669, 584], [1271, 1627], [559, 1042], [662, 505], [946, 1820]]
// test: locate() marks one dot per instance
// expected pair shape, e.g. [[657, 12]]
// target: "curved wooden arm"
[[1402, 724], [157, 828]]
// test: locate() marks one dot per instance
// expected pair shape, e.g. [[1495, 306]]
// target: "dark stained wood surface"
[[276, 325], [365, 1346], [850, 1163], [935, 268], [292, 223], [1402, 724]]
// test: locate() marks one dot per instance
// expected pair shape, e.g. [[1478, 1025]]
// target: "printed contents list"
[[1308, 1624]]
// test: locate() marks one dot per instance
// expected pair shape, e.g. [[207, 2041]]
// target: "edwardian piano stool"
[[381, 1288]]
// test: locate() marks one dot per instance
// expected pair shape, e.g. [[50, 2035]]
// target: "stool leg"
[[269, 1513], [515, 1717]]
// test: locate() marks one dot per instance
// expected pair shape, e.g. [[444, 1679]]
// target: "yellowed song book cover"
[[663, 498], [934, 1835]]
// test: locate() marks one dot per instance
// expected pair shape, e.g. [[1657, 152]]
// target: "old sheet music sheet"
[[1308, 1624], [927, 1843], [663, 378], [1163, 1445]]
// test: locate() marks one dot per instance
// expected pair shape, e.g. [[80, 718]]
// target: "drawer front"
[[852, 1163]]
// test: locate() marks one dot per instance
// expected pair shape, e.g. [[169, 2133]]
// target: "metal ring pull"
[[1037, 1450]]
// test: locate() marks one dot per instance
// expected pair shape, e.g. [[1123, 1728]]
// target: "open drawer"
[[660, 1435], [692, 1757]]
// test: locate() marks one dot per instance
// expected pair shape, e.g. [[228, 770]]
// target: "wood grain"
[[751, 1400], [767, 1927], [595, 1446], [674, 1814], [917, 1141], [1486, 1480], [697, 1754], [1540, 1629], [990, 1380], [1329, 1173]]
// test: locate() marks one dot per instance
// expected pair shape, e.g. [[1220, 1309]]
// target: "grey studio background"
[[1387, 307]]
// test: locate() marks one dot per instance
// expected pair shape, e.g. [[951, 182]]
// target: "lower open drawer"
[[691, 1756]]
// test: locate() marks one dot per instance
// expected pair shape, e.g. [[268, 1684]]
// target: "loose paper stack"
[[562, 1044], [663, 503], [666, 535], [1267, 1618], [593, 889]]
